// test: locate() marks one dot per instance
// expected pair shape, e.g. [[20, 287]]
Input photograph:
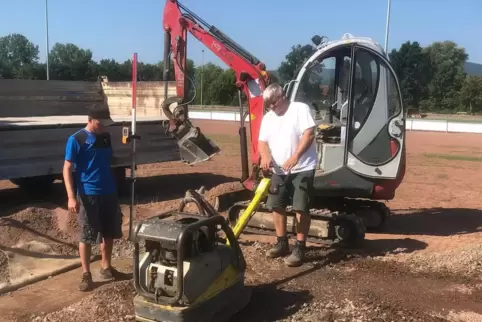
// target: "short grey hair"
[[272, 93]]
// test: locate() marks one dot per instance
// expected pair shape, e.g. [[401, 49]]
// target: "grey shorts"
[[99, 217], [297, 190]]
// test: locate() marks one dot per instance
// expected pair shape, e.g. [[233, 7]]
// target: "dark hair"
[[98, 111]]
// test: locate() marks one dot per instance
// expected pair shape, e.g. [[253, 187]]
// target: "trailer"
[[37, 117]]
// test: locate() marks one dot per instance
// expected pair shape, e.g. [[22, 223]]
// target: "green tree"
[[294, 61], [18, 57], [411, 65], [471, 94], [227, 93], [218, 85], [207, 74], [69, 62], [447, 62], [113, 70]]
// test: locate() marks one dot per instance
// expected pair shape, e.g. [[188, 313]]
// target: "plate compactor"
[[193, 268]]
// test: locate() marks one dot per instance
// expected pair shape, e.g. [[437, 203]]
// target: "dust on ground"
[[340, 286], [425, 267]]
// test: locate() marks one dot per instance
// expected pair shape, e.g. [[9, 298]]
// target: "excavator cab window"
[[359, 117]]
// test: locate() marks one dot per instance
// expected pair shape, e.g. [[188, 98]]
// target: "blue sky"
[[267, 28]]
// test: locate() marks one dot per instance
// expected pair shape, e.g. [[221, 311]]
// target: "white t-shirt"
[[283, 134]]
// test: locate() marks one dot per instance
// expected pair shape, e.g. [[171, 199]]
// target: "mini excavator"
[[192, 267], [357, 107]]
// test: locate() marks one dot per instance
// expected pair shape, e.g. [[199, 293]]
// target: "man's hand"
[[290, 163], [73, 205], [265, 163]]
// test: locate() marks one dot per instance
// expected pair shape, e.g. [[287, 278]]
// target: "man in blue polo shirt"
[[94, 197]]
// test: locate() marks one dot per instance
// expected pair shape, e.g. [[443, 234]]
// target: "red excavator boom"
[[251, 75]]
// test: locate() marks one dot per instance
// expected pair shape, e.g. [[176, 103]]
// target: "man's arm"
[[305, 142], [71, 152], [69, 179], [264, 151], [263, 146]]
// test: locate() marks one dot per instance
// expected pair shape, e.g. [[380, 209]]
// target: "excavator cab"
[[356, 103]]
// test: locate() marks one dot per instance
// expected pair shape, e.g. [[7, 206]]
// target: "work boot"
[[86, 284], [297, 255], [281, 248], [108, 273]]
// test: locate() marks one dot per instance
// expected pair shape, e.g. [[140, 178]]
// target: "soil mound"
[[111, 302], [211, 195], [40, 224], [35, 241]]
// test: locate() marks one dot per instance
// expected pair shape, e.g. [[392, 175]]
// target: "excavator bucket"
[[194, 146]]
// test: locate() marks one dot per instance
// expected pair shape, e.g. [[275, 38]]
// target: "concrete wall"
[[37, 98], [150, 96]]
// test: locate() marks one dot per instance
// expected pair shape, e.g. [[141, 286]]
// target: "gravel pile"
[[466, 261], [111, 302], [349, 311]]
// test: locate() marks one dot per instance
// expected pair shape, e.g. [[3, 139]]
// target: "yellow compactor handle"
[[261, 192]]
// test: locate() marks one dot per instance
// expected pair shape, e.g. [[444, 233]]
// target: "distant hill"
[[473, 69]]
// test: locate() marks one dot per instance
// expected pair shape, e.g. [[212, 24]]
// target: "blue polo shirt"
[[91, 155]]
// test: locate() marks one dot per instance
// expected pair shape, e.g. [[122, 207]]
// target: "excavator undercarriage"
[[342, 222]]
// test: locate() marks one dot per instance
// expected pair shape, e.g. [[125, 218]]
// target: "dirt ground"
[[426, 266]]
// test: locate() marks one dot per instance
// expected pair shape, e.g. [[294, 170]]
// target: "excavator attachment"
[[194, 146]]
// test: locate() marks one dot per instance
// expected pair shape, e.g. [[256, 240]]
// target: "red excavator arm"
[[251, 75]]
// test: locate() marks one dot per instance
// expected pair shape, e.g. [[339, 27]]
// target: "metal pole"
[[133, 138], [202, 76], [387, 27], [47, 37]]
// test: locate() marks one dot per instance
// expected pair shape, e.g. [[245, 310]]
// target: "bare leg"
[[85, 253], [301, 204], [282, 247], [303, 223], [279, 220], [106, 250]]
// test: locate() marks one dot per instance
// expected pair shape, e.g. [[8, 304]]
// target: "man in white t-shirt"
[[286, 144]]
